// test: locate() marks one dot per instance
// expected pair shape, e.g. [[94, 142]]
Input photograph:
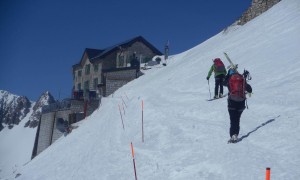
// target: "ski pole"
[[209, 89]]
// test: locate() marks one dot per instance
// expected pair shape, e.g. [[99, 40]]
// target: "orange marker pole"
[[132, 152], [121, 117], [268, 173], [142, 120]]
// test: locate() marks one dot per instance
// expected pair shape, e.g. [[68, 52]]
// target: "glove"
[[207, 78]]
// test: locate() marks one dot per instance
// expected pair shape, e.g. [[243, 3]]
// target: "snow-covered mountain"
[[15, 108], [185, 137], [45, 99], [18, 117], [12, 109]]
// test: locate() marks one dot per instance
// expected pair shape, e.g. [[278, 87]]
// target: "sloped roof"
[[126, 44], [91, 53], [94, 54]]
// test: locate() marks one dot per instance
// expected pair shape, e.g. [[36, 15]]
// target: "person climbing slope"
[[237, 87], [220, 72]]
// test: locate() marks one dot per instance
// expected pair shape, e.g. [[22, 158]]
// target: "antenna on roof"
[[166, 53]]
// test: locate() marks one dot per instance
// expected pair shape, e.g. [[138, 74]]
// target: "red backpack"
[[237, 87], [219, 65]]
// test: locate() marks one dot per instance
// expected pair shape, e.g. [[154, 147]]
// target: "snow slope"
[[16, 146], [185, 137], [17, 143]]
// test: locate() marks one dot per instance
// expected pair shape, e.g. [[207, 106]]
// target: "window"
[[95, 83], [87, 69], [79, 73], [121, 61], [79, 86], [96, 68], [86, 85]]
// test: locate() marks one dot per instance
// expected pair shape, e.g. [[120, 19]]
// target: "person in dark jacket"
[[135, 62], [219, 78], [235, 107]]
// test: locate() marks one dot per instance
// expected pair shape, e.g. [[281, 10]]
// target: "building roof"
[[126, 44], [91, 53], [94, 54]]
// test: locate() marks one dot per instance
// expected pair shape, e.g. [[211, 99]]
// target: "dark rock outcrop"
[[12, 108], [15, 108], [257, 8], [45, 99]]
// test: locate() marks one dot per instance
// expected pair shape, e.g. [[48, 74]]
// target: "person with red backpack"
[[237, 88], [220, 72]]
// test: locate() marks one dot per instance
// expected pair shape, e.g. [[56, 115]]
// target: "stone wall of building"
[[116, 79], [56, 134], [256, 9], [45, 134], [71, 111]]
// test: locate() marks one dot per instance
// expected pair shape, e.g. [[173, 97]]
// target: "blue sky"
[[42, 39]]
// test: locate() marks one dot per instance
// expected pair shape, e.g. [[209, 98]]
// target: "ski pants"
[[219, 83], [235, 110]]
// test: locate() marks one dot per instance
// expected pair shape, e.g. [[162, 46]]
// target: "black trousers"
[[235, 110], [219, 83]]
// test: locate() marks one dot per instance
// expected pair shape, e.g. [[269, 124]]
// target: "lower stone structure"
[[69, 110]]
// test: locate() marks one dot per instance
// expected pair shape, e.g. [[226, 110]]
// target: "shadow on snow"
[[263, 124]]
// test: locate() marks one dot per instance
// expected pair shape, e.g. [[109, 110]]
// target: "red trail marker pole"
[[133, 159], [121, 116], [268, 173], [142, 120]]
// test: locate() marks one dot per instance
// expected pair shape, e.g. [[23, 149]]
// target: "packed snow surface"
[[185, 136]]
